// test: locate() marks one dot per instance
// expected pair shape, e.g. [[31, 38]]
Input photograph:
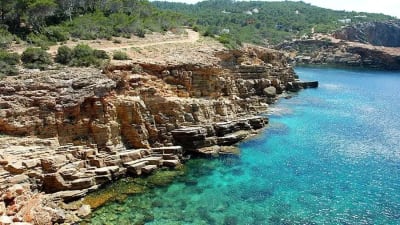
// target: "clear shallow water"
[[330, 156]]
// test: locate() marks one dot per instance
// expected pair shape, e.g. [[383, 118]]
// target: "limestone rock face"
[[375, 33], [138, 110], [67, 133], [348, 54]]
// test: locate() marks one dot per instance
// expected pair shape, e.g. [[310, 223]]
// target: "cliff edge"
[[374, 45], [68, 131], [385, 34]]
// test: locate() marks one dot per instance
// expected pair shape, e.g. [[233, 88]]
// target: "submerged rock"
[[111, 193], [73, 131]]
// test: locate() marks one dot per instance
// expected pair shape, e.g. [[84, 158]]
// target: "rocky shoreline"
[[357, 46], [342, 54], [65, 133]]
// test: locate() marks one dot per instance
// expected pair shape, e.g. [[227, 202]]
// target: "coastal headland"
[[66, 132]]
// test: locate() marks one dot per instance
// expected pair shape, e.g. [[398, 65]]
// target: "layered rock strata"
[[372, 45], [347, 54], [385, 33], [68, 132]]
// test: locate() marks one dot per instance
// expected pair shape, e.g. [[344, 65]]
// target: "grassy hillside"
[[264, 22], [41, 23]]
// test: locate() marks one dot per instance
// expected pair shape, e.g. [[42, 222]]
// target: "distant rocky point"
[[385, 34], [373, 45]]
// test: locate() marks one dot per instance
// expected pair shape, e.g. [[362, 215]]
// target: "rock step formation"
[[218, 134], [67, 133], [80, 167], [70, 173]]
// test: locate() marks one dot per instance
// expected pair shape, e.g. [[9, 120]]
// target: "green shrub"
[[36, 58], [116, 41], [84, 55], [56, 34], [196, 28], [140, 32], [100, 54], [39, 40], [119, 55], [91, 26], [82, 51], [5, 38], [64, 55], [7, 63], [9, 58], [7, 70]]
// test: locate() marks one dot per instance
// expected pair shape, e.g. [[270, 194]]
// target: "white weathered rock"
[[5, 220], [84, 211]]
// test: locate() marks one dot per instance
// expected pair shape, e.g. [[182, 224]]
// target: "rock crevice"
[[68, 133]]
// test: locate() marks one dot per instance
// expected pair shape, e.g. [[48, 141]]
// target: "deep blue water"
[[330, 156]]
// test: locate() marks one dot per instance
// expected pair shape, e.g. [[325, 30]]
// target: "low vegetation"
[[42, 23], [6, 38], [45, 22], [81, 55], [233, 22], [36, 58], [120, 55], [8, 62]]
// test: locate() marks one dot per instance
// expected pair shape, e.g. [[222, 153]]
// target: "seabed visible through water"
[[330, 156]]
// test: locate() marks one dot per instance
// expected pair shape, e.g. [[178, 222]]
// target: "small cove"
[[330, 156]]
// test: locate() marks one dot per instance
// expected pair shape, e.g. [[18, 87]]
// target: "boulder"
[[54, 182], [270, 91], [233, 138], [130, 155], [18, 179], [15, 168], [31, 163], [107, 170], [171, 163], [5, 220], [225, 128], [149, 169], [84, 211], [82, 183], [257, 122], [68, 196], [102, 179], [54, 163], [189, 137]]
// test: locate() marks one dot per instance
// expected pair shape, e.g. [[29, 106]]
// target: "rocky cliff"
[[375, 33], [72, 130], [373, 45], [340, 53], [137, 105]]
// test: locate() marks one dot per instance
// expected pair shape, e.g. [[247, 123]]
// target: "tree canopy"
[[42, 22], [260, 22]]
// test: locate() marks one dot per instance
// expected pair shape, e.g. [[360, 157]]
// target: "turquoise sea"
[[330, 156]]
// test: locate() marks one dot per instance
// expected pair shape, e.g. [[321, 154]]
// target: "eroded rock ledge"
[[372, 45], [67, 132]]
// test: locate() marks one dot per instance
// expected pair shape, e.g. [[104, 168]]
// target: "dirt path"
[[119, 43], [192, 37], [153, 40], [187, 46]]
